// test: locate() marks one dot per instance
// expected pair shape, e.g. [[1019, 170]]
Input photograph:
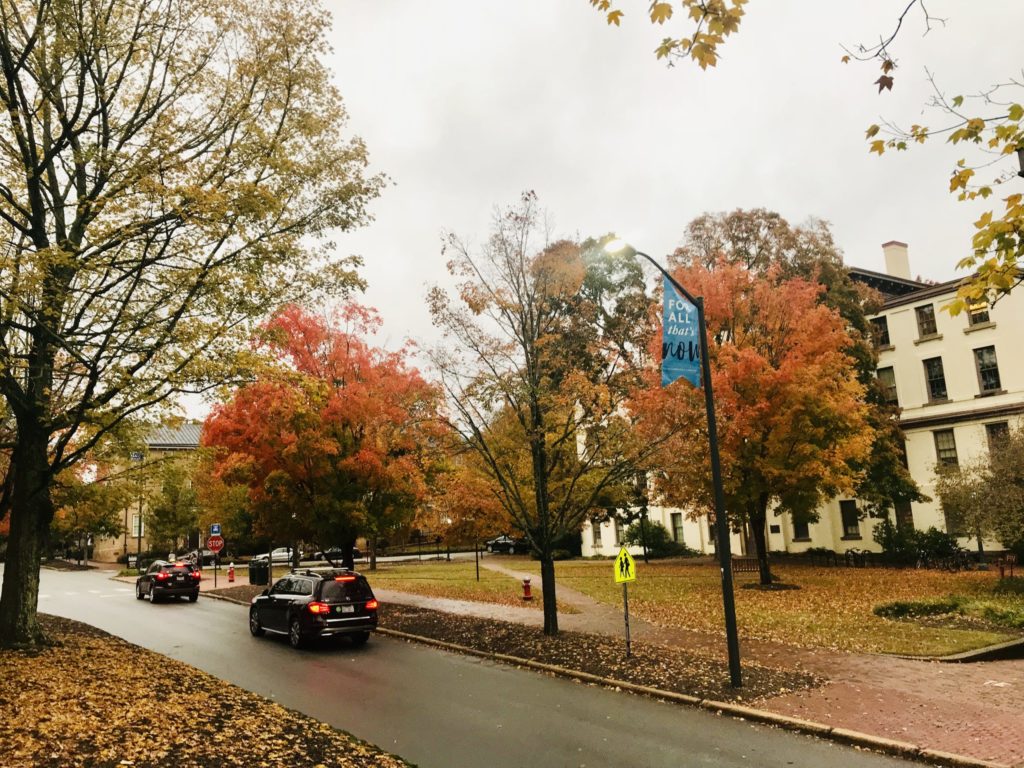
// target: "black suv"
[[316, 602], [164, 579]]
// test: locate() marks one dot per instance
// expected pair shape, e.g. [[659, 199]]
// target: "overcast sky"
[[466, 103]]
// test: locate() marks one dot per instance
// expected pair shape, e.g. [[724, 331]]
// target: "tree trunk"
[[643, 535], [981, 547], [347, 560], [372, 543], [547, 576], [31, 513], [758, 520]]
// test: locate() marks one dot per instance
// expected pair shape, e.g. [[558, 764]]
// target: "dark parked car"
[[316, 602], [163, 579], [334, 554], [505, 543], [193, 557]]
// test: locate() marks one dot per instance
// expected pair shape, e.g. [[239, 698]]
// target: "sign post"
[[215, 544], [625, 572]]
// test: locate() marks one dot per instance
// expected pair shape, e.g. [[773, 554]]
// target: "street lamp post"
[[724, 545]]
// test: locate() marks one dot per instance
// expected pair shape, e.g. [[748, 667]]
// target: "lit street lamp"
[[723, 547]]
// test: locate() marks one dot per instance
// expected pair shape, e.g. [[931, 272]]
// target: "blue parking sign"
[[215, 529]]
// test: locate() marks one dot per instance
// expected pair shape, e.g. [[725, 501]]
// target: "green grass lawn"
[[455, 580], [832, 608]]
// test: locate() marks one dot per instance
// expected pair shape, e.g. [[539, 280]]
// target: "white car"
[[279, 555]]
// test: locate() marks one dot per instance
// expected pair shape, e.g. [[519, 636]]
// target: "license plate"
[[179, 578], [348, 609]]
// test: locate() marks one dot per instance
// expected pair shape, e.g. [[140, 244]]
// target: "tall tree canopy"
[[169, 169], [545, 343], [338, 441], [791, 412], [760, 240], [989, 123]]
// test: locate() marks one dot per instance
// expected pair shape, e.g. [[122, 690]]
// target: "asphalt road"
[[434, 708]]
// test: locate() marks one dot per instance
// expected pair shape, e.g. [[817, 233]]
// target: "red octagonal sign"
[[215, 543]]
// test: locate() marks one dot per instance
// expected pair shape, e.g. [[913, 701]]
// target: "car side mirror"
[[265, 592]]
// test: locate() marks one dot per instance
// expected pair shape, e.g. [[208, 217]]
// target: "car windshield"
[[358, 589], [177, 568]]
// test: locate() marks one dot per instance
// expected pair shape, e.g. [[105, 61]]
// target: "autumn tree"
[[985, 496], [988, 123], [545, 341], [764, 242], [335, 441], [174, 506], [169, 171], [90, 501], [791, 415]]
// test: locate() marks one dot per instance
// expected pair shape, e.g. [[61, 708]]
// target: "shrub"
[[659, 540], [902, 609], [908, 545]]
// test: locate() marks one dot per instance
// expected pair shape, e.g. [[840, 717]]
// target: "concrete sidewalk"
[[974, 709]]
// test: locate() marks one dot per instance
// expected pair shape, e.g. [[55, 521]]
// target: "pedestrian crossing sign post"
[[625, 572], [625, 567]]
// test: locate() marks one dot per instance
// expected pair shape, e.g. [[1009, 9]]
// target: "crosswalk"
[[112, 592]]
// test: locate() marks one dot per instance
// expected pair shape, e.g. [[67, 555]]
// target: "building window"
[[926, 321], [887, 378], [880, 330], [595, 529], [138, 527], [936, 379], [851, 519], [988, 369], [945, 448], [677, 527], [996, 433], [801, 530], [977, 314], [904, 516]]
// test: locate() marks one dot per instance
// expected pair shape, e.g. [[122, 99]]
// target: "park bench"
[[1006, 563], [745, 565]]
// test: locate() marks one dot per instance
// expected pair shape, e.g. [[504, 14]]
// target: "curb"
[[842, 735]]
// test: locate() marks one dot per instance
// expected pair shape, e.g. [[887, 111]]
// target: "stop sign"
[[215, 543]]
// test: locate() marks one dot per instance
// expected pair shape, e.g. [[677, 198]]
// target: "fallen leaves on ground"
[[668, 669], [831, 609], [96, 700]]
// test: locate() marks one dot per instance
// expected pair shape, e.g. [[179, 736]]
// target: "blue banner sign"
[[680, 340]]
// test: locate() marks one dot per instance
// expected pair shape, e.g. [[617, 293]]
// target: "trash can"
[[259, 572]]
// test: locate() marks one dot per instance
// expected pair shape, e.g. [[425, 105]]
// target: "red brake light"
[[344, 578], [197, 575], [163, 576], [371, 605], [319, 608]]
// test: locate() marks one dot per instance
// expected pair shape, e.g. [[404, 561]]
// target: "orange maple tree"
[[336, 439], [791, 412]]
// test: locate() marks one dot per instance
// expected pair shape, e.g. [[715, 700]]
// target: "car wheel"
[[359, 638], [194, 596], [254, 623], [138, 591], [152, 594], [295, 634]]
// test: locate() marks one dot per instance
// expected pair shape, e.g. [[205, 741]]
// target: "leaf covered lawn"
[[833, 607], [668, 669], [96, 700]]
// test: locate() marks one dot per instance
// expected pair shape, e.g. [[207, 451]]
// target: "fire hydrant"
[[231, 572], [526, 590]]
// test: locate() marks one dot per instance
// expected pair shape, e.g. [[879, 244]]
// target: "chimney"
[[897, 263]]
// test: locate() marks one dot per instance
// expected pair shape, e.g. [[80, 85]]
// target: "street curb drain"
[[843, 735]]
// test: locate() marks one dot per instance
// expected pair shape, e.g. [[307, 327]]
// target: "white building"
[[958, 381]]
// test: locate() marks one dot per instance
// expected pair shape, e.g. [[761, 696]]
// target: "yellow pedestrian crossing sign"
[[625, 567]]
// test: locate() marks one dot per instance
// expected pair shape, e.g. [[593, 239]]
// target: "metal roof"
[[184, 437]]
